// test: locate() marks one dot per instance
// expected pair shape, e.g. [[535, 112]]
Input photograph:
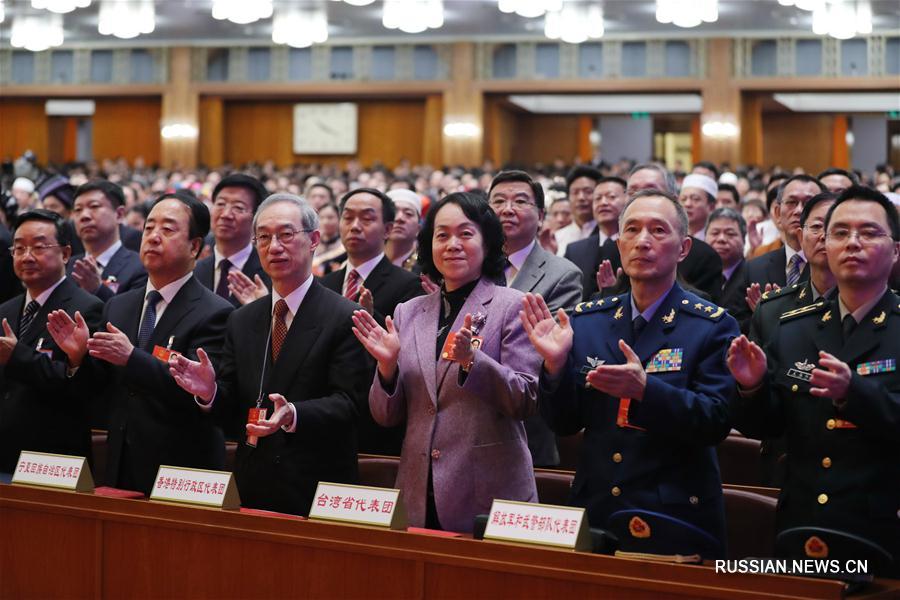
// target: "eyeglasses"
[[816, 229], [868, 235], [238, 209], [263, 240], [39, 250], [516, 203]]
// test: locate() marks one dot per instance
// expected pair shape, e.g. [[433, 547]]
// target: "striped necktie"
[[28, 316], [351, 286]]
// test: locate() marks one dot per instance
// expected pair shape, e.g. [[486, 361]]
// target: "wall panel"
[[544, 138], [388, 132], [127, 127], [791, 140], [23, 126]]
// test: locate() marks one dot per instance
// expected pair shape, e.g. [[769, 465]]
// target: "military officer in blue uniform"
[[644, 374], [829, 382]]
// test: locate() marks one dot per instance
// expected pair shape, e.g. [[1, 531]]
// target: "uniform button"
[[823, 498], [431, 410], [617, 457], [615, 491], [794, 388], [830, 424], [435, 454], [277, 460], [826, 462], [694, 500]]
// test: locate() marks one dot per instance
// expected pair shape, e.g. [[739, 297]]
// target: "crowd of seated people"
[[467, 320]]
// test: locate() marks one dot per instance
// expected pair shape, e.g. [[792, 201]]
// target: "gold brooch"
[[802, 294], [618, 314], [669, 317], [879, 319], [826, 317]]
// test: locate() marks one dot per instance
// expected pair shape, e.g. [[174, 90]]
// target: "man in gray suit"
[[519, 203]]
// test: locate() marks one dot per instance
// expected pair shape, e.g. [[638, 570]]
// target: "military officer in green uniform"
[[643, 373], [829, 381], [773, 304]]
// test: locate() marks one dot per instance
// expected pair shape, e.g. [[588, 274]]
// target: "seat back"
[[739, 461], [553, 486], [750, 523], [378, 471]]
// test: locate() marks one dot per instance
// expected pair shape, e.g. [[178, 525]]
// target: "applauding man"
[[291, 374], [152, 421], [644, 374], [828, 381]]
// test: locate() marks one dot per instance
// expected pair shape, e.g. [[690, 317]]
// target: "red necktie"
[[279, 328], [351, 288]]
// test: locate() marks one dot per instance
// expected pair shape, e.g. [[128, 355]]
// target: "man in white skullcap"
[[401, 243], [698, 197], [23, 193]]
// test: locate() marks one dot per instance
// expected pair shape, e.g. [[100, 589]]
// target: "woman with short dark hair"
[[457, 366]]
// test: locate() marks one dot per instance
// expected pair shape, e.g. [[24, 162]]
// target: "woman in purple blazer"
[[457, 366]]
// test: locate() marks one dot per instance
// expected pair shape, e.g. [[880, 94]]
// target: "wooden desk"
[[61, 544]]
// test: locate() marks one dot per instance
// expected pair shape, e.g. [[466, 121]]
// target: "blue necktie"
[[149, 321], [794, 272], [28, 316]]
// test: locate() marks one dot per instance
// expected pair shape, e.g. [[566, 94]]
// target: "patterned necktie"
[[148, 323], [638, 325], [795, 267], [222, 288], [351, 287], [28, 316], [279, 328]]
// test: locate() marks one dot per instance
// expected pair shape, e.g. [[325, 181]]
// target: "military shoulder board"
[[802, 311]]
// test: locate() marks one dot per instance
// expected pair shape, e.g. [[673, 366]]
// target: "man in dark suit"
[[725, 233], [643, 374], [588, 254], [829, 382], [235, 200], [401, 246], [701, 270], [107, 267], [786, 265], [371, 280], [305, 370], [518, 202], [153, 421], [9, 283], [40, 408]]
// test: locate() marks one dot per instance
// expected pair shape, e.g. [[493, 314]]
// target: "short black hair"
[[867, 194], [387, 205], [198, 214], [708, 165], [772, 190], [726, 212], [406, 181], [854, 180], [514, 175], [811, 203], [582, 171], [727, 187], [325, 187], [332, 206], [799, 177], [477, 210], [613, 179], [112, 192], [241, 180], [47, 216]]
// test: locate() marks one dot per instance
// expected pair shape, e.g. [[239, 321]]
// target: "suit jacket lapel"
[[532, 270], [378, 276], [189, 294], [868, 332], [425, 334], [204, 272], [477, 301], [775, 270], [300, 339], [114, 265], [252, 266], [621, 325], [38, 328], [655, 334]]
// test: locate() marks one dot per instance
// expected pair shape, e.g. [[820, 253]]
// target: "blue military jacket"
[[664, 458]]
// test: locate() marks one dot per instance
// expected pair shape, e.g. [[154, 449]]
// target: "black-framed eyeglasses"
[[263, 240]]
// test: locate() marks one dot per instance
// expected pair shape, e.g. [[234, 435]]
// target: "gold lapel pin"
[[826, 317], [880, 318], [618, 314], [669, 317]]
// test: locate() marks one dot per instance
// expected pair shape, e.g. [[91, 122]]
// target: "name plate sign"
[[363, 505], [196, 486], [542, 524], [53, 470]]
